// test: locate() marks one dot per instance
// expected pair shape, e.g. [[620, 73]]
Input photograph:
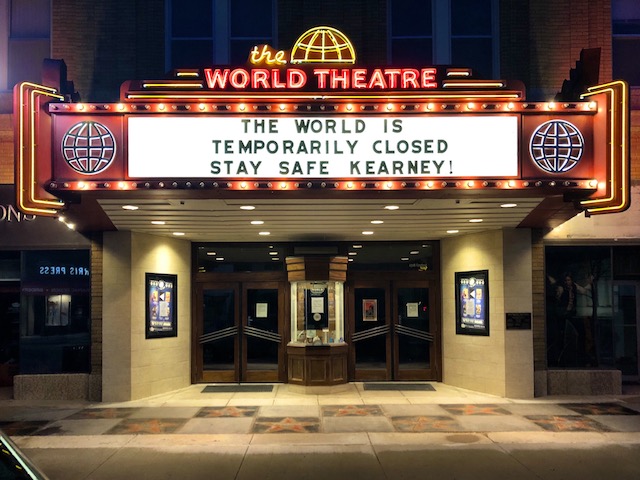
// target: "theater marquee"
[[309, 119]]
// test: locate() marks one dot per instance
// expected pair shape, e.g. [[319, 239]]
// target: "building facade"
[[562, 287]]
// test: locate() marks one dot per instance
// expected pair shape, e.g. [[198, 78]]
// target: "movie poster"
[[472, 303], [161, 317]]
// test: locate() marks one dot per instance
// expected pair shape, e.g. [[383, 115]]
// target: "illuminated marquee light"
[[26, 142], [618, 192], [329, 88], [351, 185]]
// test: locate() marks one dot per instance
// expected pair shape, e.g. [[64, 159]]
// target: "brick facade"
[[108, 43]]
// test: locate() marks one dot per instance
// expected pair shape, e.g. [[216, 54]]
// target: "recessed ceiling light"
[[273, 253], [453, 231], [404, 259], [257, 222], [211, 254], [509, 205], [475, 220], [247, 207], [219, 259], [158, 222], [367, 232], [414, 252], [130, 207], [377, 222], [275, 258], [357, 246], [351, 259], [392, 207], [353, 253], [264, 233], [178, 234]]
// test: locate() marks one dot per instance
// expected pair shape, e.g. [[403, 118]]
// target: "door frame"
[[370, 374], [280, 374], [636, 284], [391, 281], [235, 281]]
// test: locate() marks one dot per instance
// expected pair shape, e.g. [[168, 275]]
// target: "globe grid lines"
[[556, 146], [321, 45], [88, 147]]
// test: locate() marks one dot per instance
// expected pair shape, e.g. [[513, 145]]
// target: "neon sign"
[[325, 78], [319, 45]]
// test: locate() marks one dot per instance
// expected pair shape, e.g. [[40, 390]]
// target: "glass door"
[[413, 332], [393, 331], [262, 345], [238, 332], [218, 351], [626, 313], [371, 340]]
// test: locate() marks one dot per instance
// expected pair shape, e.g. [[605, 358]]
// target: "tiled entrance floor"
[[353, 409]]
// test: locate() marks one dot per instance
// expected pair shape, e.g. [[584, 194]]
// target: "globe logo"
[[89, 147], [556, 146], [323, 45]]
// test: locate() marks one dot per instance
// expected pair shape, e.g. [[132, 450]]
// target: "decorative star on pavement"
[[568, 423], [476, 410], [352, 410], [424, 424], [216, 412], [288, 424]]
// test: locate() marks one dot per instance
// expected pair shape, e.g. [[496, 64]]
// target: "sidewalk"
[[384, 433]]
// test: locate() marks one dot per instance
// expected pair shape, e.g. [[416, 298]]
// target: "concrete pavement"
[[445, 433]]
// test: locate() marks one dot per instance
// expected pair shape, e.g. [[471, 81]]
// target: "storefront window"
[[214, 32], [55, 312], [626, 39], [449, 32], [592, 307]]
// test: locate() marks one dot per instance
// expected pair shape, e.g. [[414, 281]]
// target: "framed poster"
[[317, 307], [369, 310], [472, 303], [162, 305]]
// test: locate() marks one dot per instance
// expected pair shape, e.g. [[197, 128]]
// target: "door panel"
[[370, 340], [239, 332], [219, 341], [412, 336], [262, 339], [394, 331], [625, 334]]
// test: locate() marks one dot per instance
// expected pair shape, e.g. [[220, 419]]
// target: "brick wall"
[[6, 148], [106, 43], [96, 303], [635, 145], [541, 41]]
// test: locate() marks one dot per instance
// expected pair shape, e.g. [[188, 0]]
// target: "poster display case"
[[317, 352], [317, 316]]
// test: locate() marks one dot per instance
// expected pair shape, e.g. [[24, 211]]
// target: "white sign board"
[[323, 147]]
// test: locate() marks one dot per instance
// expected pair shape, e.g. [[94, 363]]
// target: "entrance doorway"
[[240, 332], [624, 328], [394, 330]]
